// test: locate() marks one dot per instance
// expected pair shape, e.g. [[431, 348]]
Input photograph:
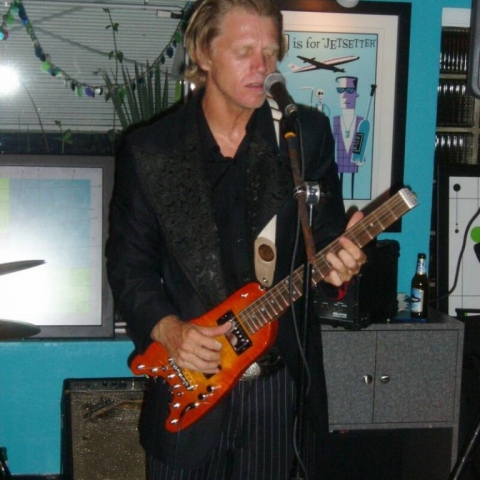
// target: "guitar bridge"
[[237, 337]]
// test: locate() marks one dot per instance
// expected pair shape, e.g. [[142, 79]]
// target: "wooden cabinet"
[[397, 376]]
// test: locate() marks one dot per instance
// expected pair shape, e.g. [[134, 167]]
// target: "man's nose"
[[260, 62]]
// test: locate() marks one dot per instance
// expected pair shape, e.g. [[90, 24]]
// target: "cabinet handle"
[[385, 378], [368, 379]]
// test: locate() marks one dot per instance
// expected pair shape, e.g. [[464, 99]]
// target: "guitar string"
[[380, 219], [259, 306]]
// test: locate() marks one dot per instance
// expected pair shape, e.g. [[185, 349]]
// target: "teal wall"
[[420, 133], [32, 371], [31, 385]]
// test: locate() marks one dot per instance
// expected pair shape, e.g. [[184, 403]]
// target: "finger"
[[356, 217], [206, 337], [339, 262], [199, 339], [343, 267], [334, 279], [351, 255], [217, 330], [198, 343], [197, 363]]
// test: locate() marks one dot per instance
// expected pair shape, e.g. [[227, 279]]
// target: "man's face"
[[348, 92], [240, 58]]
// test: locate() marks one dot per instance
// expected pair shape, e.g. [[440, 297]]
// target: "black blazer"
[[163, 254]]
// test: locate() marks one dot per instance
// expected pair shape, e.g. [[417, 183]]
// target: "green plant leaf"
[[113, 94], [131, 97], [165, 92], [142, 94]]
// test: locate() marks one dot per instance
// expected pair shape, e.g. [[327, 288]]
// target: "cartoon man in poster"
[[318, 103], [345, 127], [321, 105]]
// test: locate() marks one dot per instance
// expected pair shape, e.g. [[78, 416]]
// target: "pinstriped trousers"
[[257, 443]]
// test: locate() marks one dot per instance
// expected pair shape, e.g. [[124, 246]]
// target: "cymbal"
[[21, 265], [10, 329]]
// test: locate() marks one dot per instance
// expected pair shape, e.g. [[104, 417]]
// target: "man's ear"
[[203, 59]]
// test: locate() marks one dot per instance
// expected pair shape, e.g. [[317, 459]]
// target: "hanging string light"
[[16, 8]]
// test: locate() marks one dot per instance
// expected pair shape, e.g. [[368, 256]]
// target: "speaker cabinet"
[[371, 296], [100, 439]]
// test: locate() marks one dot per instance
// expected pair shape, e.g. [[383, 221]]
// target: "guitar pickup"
[[237, 337]]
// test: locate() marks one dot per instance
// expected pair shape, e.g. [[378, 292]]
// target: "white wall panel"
[[77, 41]]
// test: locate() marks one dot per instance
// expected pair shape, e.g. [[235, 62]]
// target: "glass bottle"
[[420, 288]]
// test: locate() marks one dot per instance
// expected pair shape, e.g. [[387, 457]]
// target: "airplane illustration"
[[325, 65]]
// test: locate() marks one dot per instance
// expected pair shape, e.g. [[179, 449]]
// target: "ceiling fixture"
[[348, 3], [9, 80]]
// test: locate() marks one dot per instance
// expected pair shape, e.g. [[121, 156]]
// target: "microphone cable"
[[298, 338]]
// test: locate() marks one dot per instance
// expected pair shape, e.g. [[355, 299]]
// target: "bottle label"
[[417, 298], [421, 266]]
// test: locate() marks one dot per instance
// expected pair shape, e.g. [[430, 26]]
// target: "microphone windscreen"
[[271, 80]]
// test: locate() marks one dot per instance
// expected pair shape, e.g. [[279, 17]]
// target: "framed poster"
[[352, 64], [54, 208], [458, 238]]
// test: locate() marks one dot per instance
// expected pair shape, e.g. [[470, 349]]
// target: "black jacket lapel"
[[180, 197], [269, 185]]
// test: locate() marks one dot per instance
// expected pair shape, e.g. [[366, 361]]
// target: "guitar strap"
[[265, 251]]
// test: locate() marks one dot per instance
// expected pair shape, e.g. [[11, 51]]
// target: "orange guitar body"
[[194, 393]]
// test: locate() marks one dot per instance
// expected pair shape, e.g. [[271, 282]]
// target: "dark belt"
[[268, 364]]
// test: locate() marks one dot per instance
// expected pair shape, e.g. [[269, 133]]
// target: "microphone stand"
[[306, 194]]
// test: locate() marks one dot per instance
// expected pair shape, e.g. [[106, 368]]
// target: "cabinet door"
[[349, 359], [415, 376]]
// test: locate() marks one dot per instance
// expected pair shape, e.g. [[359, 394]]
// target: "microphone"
[[276, 86], [476, 249]]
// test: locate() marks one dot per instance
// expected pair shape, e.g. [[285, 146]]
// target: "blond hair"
[[204, 26]]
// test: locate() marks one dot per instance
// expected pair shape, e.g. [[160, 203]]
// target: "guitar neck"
[[271, 305]]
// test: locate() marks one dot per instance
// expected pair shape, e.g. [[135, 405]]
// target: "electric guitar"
[[252, 311]]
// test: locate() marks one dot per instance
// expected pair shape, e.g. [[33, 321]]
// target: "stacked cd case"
[[456, 139], [455, 49], [454, 147], [455, 105]]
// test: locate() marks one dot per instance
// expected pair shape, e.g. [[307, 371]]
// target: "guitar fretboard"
[[271, 305]]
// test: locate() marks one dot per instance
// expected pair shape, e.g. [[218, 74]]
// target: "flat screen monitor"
[[54, 208]]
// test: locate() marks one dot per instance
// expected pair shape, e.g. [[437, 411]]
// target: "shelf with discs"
[[458, 111]]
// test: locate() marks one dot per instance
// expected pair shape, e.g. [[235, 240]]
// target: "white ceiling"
[[75, 36]]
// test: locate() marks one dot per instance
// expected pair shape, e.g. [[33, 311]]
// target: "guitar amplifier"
[[100, 439], [372, 295]]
